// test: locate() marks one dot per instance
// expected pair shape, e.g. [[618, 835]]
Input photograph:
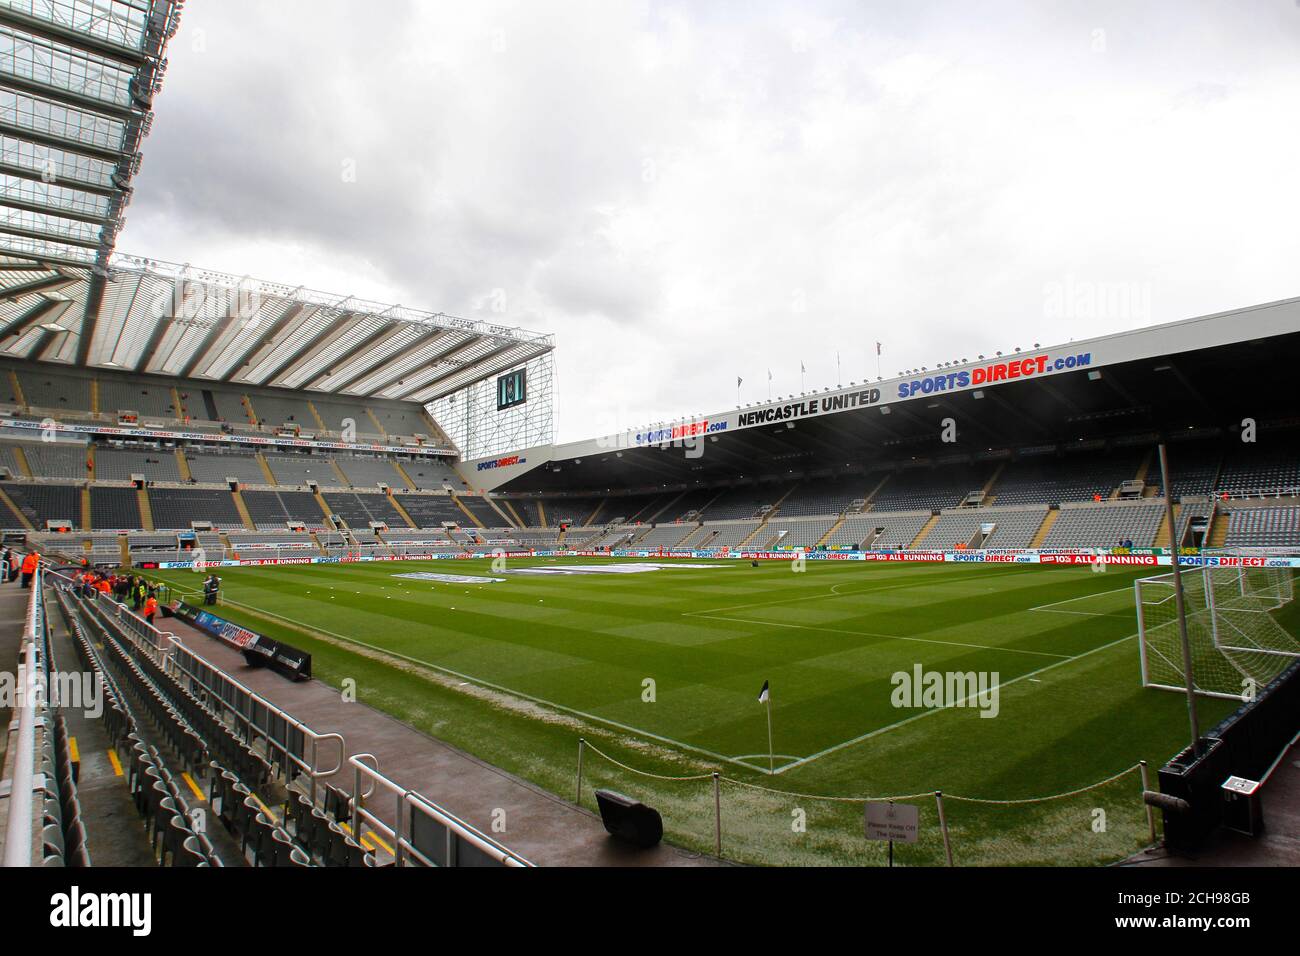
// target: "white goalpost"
[[1237, 646]]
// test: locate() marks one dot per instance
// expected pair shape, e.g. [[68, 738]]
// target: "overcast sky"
[[688, 192]]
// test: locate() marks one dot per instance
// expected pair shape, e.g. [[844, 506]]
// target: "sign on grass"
[[893, 821]]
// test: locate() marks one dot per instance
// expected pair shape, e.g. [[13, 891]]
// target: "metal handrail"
[[166, 649], [18, 829], [408, 802]]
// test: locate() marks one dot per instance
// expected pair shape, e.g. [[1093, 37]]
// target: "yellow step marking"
[[117, 764], [194, 787], [73, 753], [267, 810], [361, 839]]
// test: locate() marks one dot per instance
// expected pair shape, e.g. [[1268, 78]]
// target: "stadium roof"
[[77, 82], [143, 316], [1179, 378]]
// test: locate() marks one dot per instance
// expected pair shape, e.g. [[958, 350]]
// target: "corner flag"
[[763, 694], [765, 697]]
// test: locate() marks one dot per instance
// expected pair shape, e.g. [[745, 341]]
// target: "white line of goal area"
[[1054, 606]]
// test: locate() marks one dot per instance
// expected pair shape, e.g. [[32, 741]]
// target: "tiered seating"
[[481, 510], [622, 509], [1014, 528], [826, 496], [56, 459], [271, 509], [41, 503], [368, 472], [690, 504], [1262, 470], [743, 502], [118, 464], [916, 488], [798, 532], [117, 508], [727, 535], [1264, 527], [899, 530], [359, 509], [46, 388], [9, 459], [664, 536], [300, 469], [430, 474], [528, 511], [1072, 478], [216, 468], [284, 409], [178, 507], [153, 401], [570, 511], [158, 746], [1104, 526], [430, 511]]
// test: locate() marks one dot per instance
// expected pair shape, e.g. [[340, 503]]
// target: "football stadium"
[[296, 579]]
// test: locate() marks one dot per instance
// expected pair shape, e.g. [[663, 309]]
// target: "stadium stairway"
[[146, 510], [86, 515], [1049, 519], [242, 507], [320, 422], [397, 506], [405, 479], [547, 830], [266, 470], [23, 520], [925, 529], [474, 522], [20, 456]]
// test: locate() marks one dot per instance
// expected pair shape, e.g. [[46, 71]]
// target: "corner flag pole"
[[771, 760], [765, 697]]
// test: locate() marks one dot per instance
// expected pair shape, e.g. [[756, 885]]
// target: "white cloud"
[[685, 192]]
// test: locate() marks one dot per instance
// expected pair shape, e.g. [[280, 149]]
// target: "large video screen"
[[512, 389]]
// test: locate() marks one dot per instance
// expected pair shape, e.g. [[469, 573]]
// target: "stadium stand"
[[154, 401], [120, 464], [1090, 526], [271, 509], [368, 472], [430, 511], [1264, 527], [62, 459], [55, 390], [40, 503], [826, 496], [117, 508], [216, 468], [744, 502], [359, 509], [178, 507], [941, 487], [300, 469], [1011, 528], [1251, 471], [786, 532], [1055, 480]]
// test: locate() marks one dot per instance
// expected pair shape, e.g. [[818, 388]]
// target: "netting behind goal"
[[1236, 643]]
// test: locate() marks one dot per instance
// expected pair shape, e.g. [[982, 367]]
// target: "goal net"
[[1237, 645]]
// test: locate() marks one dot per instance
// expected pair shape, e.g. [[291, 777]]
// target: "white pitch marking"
[[937, 710], [471, 679], [891, 637]]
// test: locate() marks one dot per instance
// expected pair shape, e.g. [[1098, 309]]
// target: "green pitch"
[[662, 669]]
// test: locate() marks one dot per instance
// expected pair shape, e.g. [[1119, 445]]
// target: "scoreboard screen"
[[512, 389]]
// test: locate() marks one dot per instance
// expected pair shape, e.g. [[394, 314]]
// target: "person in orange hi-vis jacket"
[[29, 567], [150, 608]]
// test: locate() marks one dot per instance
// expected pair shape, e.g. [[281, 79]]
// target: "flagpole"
[[771, 760]]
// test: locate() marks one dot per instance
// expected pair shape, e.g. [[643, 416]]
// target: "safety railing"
[[422, 833], [289, 743], [18, 829]]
